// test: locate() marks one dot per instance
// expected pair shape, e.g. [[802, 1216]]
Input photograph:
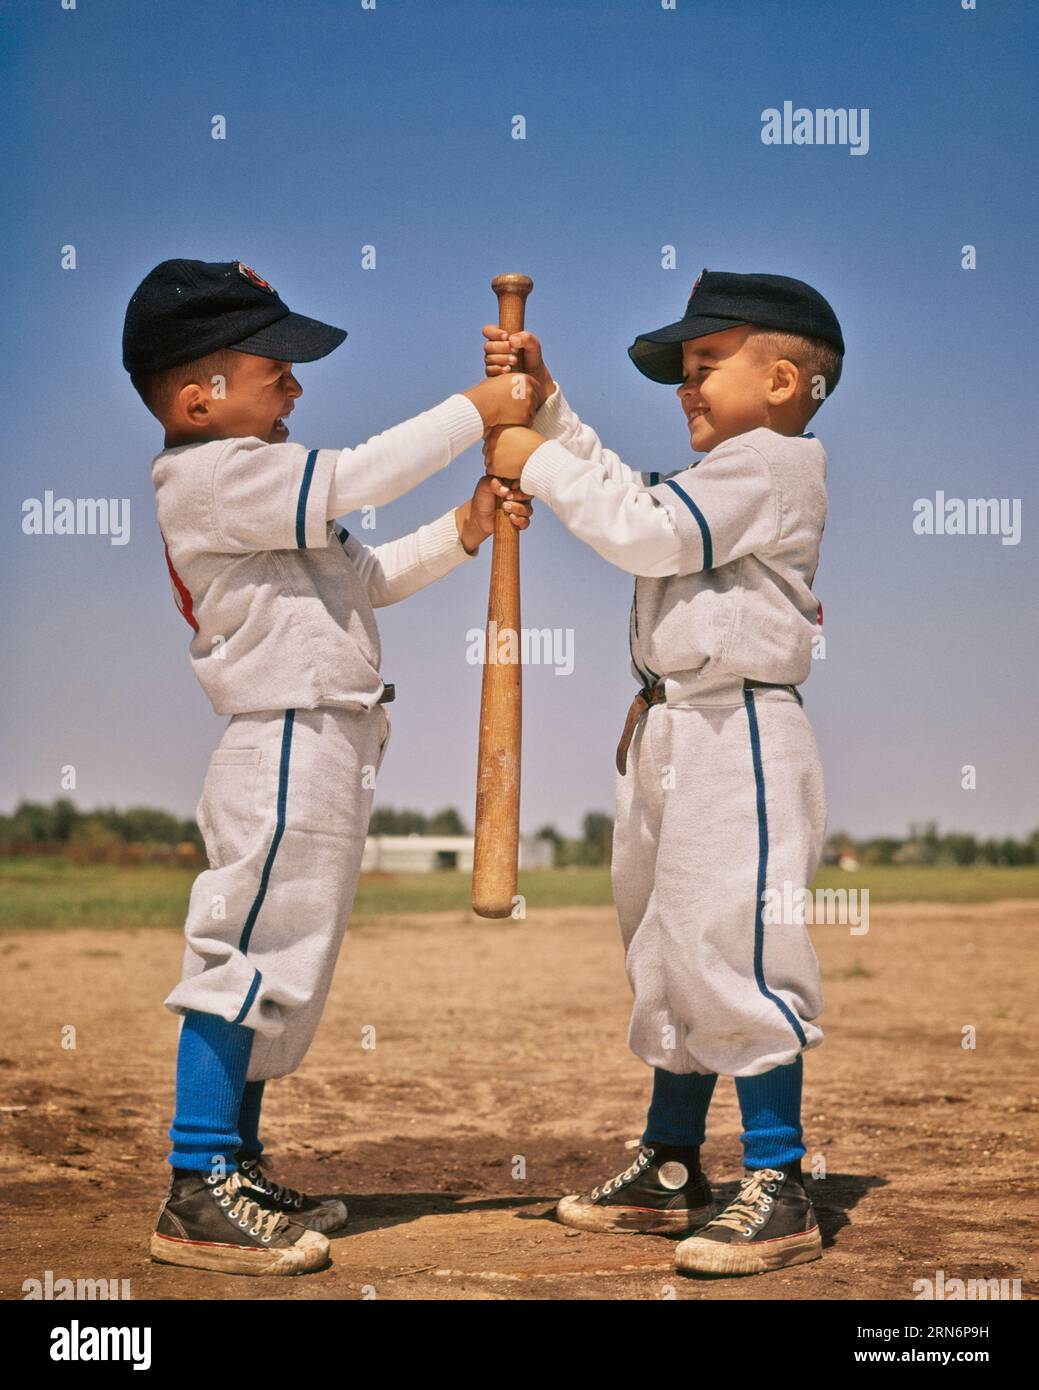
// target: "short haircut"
[[813, 357], [158, 390]]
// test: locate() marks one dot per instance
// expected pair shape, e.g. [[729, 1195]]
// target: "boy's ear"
[[191, 405], [786, 378]]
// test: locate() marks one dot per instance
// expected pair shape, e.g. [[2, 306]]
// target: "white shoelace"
[[751, 1203], [233, 1194], [628, 1175]]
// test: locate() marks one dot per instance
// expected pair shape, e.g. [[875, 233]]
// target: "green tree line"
[[926, 844], [35, 826], [145, 832]]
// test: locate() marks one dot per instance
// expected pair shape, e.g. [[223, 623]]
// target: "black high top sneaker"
[[663, 1193], [209, 1222], [768, 1225], [316, 1213]]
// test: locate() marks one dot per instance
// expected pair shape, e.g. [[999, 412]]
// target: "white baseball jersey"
[[724, 550], [723, 797], [279, 598], [281, 602]]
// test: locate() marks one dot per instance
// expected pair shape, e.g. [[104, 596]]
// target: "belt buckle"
[[389, 694]]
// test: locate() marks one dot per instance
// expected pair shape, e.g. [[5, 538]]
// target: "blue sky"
[[392, 127]]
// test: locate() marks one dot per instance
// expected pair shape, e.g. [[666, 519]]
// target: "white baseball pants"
[[284, 814], [721, 801]]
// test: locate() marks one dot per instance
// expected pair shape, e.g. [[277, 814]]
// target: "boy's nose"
[[295, 389]]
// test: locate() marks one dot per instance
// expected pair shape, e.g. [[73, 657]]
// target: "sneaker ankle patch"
[[672, 1175]]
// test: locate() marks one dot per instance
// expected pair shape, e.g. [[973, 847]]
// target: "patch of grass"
[[940, 884], [57, 893], [48, 892], [451, 890]]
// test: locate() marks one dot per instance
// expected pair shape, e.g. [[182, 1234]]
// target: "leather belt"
[[651, 695], [389, 694], [647, 696]]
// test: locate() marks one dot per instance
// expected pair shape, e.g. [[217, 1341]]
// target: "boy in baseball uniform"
[[719, 788], [280, 601]]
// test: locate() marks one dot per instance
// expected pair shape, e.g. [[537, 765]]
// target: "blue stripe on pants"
[[265, 876], [759, 923], [250, 996]]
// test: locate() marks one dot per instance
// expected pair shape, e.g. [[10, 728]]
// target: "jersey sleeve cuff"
[[440, 547], [548, 420], [461, 422], [556, 419], [540, 471]]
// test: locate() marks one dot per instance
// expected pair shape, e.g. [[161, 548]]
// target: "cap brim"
[[294, 338], [658, 355]]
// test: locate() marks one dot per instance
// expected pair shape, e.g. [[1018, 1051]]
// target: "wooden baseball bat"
[[496, 848]]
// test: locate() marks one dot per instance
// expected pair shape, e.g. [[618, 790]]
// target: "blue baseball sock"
[[678, 1110], [771, 1108], [249, 1117], [212, 1060]]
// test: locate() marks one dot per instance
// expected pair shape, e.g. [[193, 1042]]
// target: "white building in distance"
[[424, 854]]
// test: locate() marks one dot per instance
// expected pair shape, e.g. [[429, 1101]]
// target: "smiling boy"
[[719, 787], [280, 601]]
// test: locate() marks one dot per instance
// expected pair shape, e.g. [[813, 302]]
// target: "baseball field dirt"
[[499, 1079]]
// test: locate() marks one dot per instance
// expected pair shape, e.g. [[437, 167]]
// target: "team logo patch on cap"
[[254, 279], [695, 287]]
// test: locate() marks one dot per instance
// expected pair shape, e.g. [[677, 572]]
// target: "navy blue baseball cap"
[[182, 310], [721, 300]]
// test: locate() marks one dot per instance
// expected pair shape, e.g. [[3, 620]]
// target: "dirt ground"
[[495, 1041]]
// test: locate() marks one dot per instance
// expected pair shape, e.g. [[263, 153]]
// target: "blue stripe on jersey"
[[759, 923], [301, 504], [701, 521], [654, 478], [279, 831]]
